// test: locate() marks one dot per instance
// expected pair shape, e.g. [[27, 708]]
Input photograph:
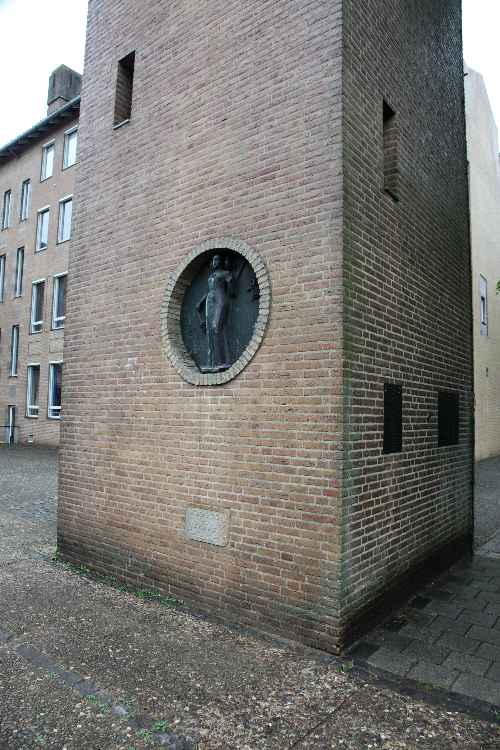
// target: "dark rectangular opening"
[[393, 418], [448, 418], [124, 88], [391, 149]]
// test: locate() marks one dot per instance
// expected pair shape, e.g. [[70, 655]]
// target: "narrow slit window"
[[70, 144], [47, 168], [2, 277], [448, 418], [14, 351], [18, 278], [24, 208], [7, 201], [42, 229], [65, 216], [32, 390], [59, 302], [55, 386], [124, 88], [37, 299], [391, 151], [393, 418]]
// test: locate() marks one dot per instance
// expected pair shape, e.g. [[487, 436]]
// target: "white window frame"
[[19, 273], [67, 136], [61, 237], [14, 351], [33, 322], [40, 212], [483, 307], [58, 320], [43, 165], [3, 260], [6, 208], [25, 203], [53, 412], [32, 410]]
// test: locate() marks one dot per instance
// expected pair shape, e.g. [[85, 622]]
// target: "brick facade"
[[21, 161], [236, 130]]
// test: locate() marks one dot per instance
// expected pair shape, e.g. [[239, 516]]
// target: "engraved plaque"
[[207, 526]]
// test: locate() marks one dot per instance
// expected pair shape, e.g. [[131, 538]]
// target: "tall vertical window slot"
[[7, 199], [2, 277], [65, 216], [47, 167], [18, 278], [124, 88], [448, 418], [32, 390], [37, 297], [14, 351], [55, 385], [483, 305], [24, 208], [42, 229], [393, 418], [391, 151], [59, 302], [70, 144]]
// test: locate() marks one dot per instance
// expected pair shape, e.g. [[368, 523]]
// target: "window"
[[18, 278], [390, 145], [37, 297], [124, 87], [32, 390], [25, 200], [59, 302], [2, 276], [14, 351], [448, 418], [7, 196], [393, 418], [42, 229], [70, 144], [65, 214], [483, 301], [47, 161], [55, 383]]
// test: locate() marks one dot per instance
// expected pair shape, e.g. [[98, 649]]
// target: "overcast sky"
[[38, 35]]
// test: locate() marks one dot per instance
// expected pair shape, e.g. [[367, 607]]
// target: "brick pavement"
[[448, 636]]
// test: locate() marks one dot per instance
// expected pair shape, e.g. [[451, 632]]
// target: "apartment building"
[[37, 175], [484, 180]]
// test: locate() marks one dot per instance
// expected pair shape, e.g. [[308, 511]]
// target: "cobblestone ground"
[[86, 666]]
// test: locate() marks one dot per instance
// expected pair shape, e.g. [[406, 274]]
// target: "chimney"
[[64, 85]]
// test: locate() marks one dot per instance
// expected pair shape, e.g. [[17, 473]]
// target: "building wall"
[[407, 287], [234, 132], [47, 346], [484, 179]]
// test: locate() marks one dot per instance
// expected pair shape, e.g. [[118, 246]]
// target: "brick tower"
[[323, 144]]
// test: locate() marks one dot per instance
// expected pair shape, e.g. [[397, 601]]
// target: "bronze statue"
[[213, 310]]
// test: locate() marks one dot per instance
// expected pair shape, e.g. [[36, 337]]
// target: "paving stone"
[[394, 641], [439, 676], [458, 642], [489, 635], [488, 651], [425, 635], [467, 663], [489, 598], [443, 624], [493, 672], [439, 594], [450, 609], [493, 609], [363, 650], [476, 605], [480, 688], [431, 654], [392, 662], [483, 619]]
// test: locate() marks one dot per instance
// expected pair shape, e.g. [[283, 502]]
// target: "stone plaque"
[[207, 526]]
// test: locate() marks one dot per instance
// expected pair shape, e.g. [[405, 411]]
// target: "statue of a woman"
[[213, 310]]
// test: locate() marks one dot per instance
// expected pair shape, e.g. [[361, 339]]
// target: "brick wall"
[[235, 132], [407, 292], [46, 346]]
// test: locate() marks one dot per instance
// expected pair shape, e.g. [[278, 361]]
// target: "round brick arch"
[[170, 316]]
